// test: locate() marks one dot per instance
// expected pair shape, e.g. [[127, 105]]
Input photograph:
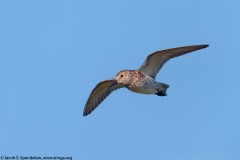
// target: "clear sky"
[[53, 53]]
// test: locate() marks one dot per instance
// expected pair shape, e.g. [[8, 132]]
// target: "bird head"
[[124, 77]]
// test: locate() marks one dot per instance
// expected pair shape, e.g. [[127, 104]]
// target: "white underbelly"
[[144, 90]]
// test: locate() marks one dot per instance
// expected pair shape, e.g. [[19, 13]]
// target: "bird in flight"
[[141, 80]]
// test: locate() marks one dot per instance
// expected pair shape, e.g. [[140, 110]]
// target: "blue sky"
[[54, 52]]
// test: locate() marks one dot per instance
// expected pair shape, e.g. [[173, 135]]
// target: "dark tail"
[[162, 90]]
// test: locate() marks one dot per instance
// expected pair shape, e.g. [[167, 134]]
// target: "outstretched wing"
[[99, 93], [156, 60]]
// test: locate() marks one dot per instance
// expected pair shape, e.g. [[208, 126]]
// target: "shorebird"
[[141, 80]]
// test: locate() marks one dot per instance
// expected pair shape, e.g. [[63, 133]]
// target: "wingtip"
[[85, 113], [205, 45], [202, 46]]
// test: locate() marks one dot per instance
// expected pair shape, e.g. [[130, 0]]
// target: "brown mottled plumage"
[[141, 80]]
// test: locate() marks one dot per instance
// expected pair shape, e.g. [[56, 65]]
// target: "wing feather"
[[156, 60], [99, 93]]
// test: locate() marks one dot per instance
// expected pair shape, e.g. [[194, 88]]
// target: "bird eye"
[[121, 76]]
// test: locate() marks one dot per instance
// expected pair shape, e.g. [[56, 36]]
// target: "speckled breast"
[[142, 83]]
